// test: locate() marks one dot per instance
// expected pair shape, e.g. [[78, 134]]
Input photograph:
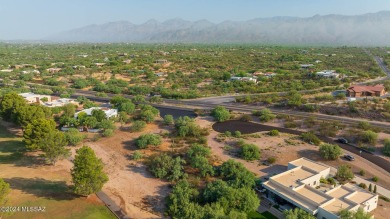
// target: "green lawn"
[[52, 194], [264, 215]]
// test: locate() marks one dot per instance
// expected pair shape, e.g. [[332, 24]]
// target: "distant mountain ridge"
[[360, 30]]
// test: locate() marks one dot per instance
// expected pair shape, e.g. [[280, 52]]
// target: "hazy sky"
[[34, 19]]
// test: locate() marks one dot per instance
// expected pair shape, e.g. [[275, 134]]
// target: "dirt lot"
[[131, 186]]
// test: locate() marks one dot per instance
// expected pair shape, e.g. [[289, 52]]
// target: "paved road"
[[379, 62], [114, 208]]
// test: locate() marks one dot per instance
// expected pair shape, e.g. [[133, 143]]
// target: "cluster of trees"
[[311, 138], [344, 173], [231, 196], [40, 133], [186, 127]]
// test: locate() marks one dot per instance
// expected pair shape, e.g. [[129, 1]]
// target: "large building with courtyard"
[[300, 187]]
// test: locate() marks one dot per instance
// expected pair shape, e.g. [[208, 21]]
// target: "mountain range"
[[371, 29]]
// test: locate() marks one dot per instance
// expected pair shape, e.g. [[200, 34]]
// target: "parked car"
[[349, 157], [343, 140]]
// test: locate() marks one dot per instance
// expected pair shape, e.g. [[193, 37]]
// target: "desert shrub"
[[330, 151], [369, 137], [138, 126], [386, 147], [290, 124], [108, 133], [344, 173], [363, 185], [271, 160], [148, 139], [228, 134], [273, 132], [375, 179], [73, 136], [237, 134], [362, 172], [246, 118], [265, 115], [137, 155], [250, 152], [220, 113], [310, 137]]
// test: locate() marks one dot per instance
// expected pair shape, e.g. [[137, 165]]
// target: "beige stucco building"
[[300, 187]]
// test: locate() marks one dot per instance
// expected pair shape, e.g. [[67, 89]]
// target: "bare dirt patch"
[[131, 185]]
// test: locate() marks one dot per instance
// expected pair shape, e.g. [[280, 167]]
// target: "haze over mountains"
[[361, 30]]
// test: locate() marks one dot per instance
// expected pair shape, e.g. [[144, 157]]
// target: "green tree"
[[386, 147], [374, 189], [69, 110], [177, 171], [311, 138], [98, 114], [10, 105], [215, 190], [202, 163], [370, 188], [220, 113], [53, 145], [297, 213], [359, 214], [239, 199], [138, 126], [265, 115], [330, 151], [127, 107], [4, 191], [249, 152], [344, 173], [123, 117], [87, 174], [90, 122], [35, 132], [237, 175], [168, 120], [148, 139], [25, 115], [73, 136], [369, 137], [161, 165]]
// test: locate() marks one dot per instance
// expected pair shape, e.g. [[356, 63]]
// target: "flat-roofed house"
[[299, 187], [366, 91], [35, 98], [108, 111]]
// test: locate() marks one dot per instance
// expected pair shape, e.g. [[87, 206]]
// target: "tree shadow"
[[273, 170], [53, 190], [129, 145], [311, 154], [11, 151], [140, 169], [156, 203]]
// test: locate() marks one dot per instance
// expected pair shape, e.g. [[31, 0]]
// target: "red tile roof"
[[371, 89]]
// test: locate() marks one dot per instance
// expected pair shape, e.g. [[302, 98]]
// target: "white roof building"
[[59, 102], [328, 74], [109, 112], [35, 98], [300, 187]]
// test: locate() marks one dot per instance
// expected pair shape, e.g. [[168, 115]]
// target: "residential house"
[[161, 61], [300, 187], [54, 70], [328, 74], [35, 98], [243, 79], [59, 102], [306, 66], [366, 91], [109, 112]]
